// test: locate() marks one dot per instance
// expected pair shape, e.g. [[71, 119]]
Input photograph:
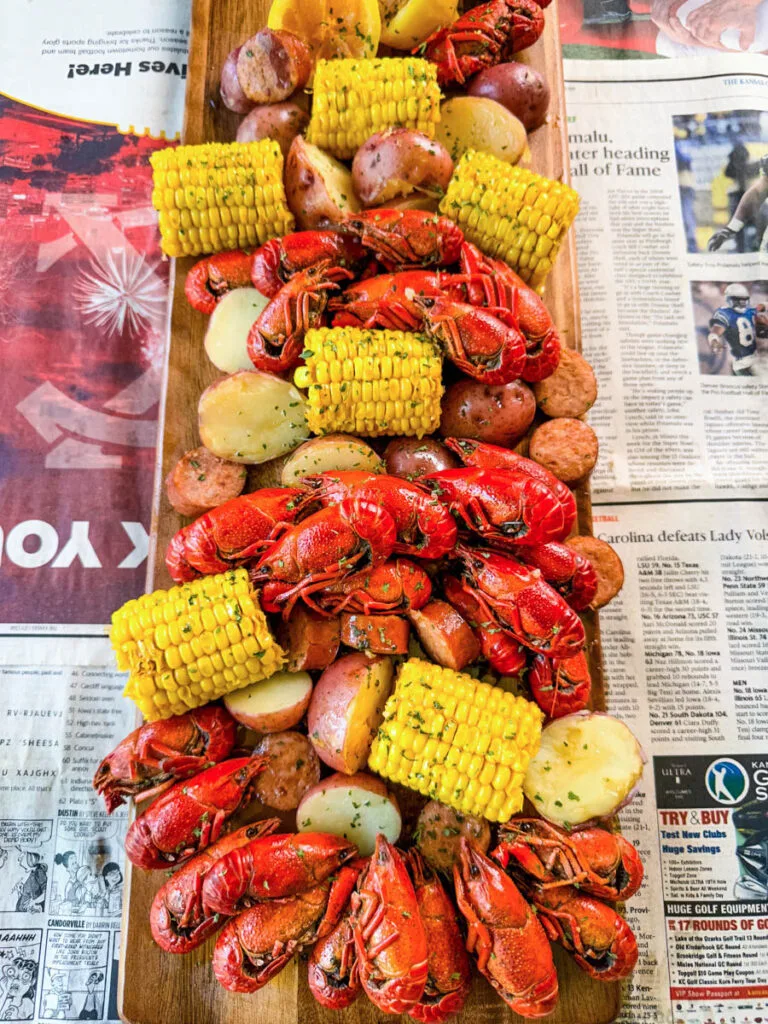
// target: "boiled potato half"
[[406, 24], [475, 122], [273, 704], [330, 454], [318, 187], [226, 340], [251, 417], [357, 807]]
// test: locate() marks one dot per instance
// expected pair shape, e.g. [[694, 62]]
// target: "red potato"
[[279, 121], [273, 704], [310, 640], [346, 709], [230, 90], [411, 458], [273, 64], [292, 769], [399, 161], [379, 634], [356, 807], [499, 414], [201, 480], [520, 88], [318, 187], [445, 636]]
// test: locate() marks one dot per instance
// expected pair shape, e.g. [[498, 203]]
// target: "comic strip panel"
[[74, 978], [731, 322], [19, 972], [87, 868], [722, 173], [25, 853]]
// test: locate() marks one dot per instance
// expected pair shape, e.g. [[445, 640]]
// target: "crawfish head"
[[406, 238], [389, 937], [504, 934], [396, 586], [271, 867], [191, 815], [332, 970], [211, 278], [385, 301], [560, 686], [277, 261], [149, 760]]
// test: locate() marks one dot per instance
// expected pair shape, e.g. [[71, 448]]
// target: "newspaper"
[[663, 154]]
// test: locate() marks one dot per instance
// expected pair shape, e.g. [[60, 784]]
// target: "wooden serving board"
[[155, 987]]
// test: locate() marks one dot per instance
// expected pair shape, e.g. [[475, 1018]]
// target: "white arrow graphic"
[[140, 540], [48, 410]]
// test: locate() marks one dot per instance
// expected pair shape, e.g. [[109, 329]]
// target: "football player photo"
[[732, 327]]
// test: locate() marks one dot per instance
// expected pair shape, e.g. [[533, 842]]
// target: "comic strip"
[[74, 979], [19, 972], [25, 850], [87, 868]]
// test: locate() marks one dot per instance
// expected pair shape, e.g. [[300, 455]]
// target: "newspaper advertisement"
[[668, 158]]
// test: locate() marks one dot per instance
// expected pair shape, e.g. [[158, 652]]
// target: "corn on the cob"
[[219, 196], [510, 212], [456, 740], [371, 382], [191, 644], [352, 99]]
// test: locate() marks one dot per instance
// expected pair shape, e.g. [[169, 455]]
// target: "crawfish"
[[212, 277], [272, 867], [324, 548], [389, 936], [502, 652], [500, 505], [520, 602], [191, 815], [490, 282], [257, 944], [449, 975], [332, 972], [179, 918], [598, 937], [231, 534], [565, 569], [601, 863], [505, 935], [157, 754], [276, 339], [406, 238], [560, 686], [278, 260], [492, 456], [425, 528], [481, 37], [396, 586]]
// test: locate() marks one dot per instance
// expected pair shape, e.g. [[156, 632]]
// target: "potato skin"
[[395, 162], [230, 90], [279, 121], [499, 414], [523, 90], [411, 458]]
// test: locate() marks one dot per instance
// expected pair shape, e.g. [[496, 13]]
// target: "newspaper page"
[[88, 91]]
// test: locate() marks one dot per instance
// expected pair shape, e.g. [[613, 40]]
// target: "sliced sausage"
[[310, 640], [566, 447], [605, 562], [201, 480], [232, 95], [445, 636], [292, 769], [273, 64], [439, 830], [571, 390], [379, 634]]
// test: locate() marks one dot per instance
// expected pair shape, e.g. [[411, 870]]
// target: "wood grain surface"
[[155, 987]]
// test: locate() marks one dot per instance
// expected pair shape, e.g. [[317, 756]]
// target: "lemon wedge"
[[332, 28], [414, 21]]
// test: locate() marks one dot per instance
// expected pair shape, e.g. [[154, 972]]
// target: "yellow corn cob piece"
[[453, 739], [372, 383], [352, 99], [191, 644], [219, 196], [510, 212]]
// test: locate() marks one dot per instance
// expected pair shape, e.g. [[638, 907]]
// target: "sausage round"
[[379, 634], [607, 565], [447, 638], [439, 830], [571, 390], [273, 64], [201, 480], [293, 768], [311, 640], [232, 95], [566, 447]]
